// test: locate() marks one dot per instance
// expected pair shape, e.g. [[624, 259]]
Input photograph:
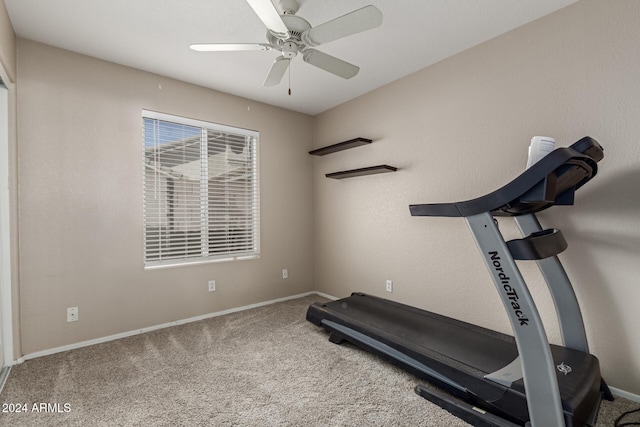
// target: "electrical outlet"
[[389, 285], [212, 285], [285, 273], [72, 314]]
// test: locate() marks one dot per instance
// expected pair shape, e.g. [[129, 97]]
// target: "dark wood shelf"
[[362, 171], [356, 142]]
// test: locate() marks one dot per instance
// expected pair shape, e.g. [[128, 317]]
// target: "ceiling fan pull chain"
[[289, 77]]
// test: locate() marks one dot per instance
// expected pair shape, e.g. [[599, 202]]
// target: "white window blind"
[[201, 200]]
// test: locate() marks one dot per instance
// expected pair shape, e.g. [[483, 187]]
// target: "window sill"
[[155, 265]]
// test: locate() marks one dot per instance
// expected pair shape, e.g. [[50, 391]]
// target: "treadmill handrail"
[[564, 297], [538, 369], [564, 169]]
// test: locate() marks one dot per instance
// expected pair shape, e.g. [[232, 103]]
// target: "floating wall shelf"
[[356, 142], [362, 171]]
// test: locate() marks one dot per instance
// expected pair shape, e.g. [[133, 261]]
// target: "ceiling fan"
[[291, 34]]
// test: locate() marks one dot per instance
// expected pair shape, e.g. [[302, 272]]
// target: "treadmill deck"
[[460, 351]]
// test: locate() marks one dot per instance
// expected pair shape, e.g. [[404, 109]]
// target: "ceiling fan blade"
[[352, 23], [330, 63], [229, 47], [277, 71], [269, 15]]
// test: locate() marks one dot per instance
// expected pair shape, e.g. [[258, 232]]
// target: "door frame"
[[6, 208]]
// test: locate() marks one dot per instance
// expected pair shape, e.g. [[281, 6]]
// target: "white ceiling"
[[154, 35]]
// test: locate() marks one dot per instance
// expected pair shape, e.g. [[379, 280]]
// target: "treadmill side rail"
[[472, 414]]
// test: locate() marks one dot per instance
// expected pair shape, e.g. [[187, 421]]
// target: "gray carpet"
[[262, 367]]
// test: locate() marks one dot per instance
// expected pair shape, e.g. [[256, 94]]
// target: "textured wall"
[[460, 129], [80, 175]]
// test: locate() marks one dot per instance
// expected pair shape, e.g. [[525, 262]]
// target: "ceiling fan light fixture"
[[289, 50]]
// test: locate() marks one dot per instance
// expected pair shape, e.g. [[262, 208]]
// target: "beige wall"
[[460, 129], [80, 174]]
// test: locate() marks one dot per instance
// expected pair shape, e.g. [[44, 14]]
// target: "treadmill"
[[486, 377]]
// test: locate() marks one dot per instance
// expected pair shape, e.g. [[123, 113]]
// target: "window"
[[201, 199]]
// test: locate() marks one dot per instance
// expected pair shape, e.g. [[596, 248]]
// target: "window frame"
[[203, 256]]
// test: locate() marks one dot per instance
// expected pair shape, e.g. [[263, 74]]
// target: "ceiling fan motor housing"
[[295, 25], [291, 46]]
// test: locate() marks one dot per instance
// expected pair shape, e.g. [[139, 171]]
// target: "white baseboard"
[[156, 327], [323, 295], [625, 394], [616, 392]]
